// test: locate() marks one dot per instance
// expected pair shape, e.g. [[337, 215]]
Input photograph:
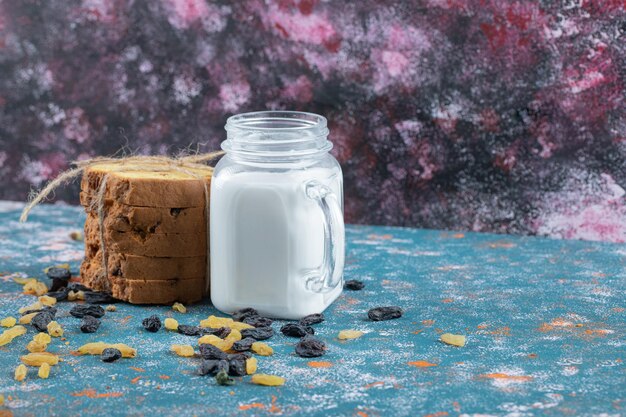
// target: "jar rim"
[[280, 120]]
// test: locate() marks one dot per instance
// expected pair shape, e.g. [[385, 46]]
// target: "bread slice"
[[165, 245], [158, 292], [125, 218], [145, 188]]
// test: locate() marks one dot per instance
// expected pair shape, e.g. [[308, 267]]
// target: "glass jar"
[[277, 231]]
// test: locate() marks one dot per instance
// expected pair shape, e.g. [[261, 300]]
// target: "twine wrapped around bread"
[[184, 164]]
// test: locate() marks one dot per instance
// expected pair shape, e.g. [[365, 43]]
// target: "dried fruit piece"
[[384, 313], [37, 358], [183, 350], [37, 306], [234, 335], [23, 280], [110, 355], [296, 330], [171, 324], [110, 307], [20, 372], [35, 346], [44, 371], [310, 347], [47, 300], [353, 285], [8, 335], [35, 288], [251, 365], [42, 338], [222, 332], [349, 334], [240, 315], [237, 367], [453, 339], [97, 297], [82, 310], [243, 344], [213, 366], [217, 322], [54, 329], [80, 296], [259, 333], [311, 319], [208, 351], [96, 348], [152, 323], [267, 380], [8, 321], [189, 330], [222, 344], [258, 321], [222, 378], [71, 296], [262, 349], [239, 355], [89, 324], [179, 307], [27, 318], [42, 319]]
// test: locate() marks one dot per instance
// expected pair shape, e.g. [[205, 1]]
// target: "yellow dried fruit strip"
[[55, 329], [453, 339], [111, 307], [34, 307], [8, 335], [35, 288], [42, 338], [47, 300], [27, 318], [20, 372], [262, 349], [211, 339], [183, 350], [251, 365], [179, 307], [36, 359], [267, 380], [34, 346], [234, 335], [22, 280], [44, 371], [215, 322], [96, 348], [171, 324], [8, 322], [349, 334]]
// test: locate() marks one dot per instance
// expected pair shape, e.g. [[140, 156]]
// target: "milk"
[[265, 235]]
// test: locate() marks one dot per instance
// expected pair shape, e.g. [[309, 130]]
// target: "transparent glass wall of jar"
[[277, 231]]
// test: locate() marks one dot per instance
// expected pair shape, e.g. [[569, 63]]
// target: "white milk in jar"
[[277, 233]]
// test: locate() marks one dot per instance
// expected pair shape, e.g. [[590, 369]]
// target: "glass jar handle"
[[329, 274]]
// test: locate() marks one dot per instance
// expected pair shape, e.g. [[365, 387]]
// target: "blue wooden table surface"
[[545, 322]]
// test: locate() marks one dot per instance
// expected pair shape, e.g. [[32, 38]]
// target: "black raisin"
[[259, 333], [110, 355], [76, 286], [296, 330], [82, 310], [60, 295], [258, 321], [311, 319], [222, 332], [152, 323], [222, 378], [189, 330], [353, 285], [243, 344], [208, 351], [237, 367], [94, 297], [59, 273], [384, 313], [213, 366], [239, 315], [239, 355], [310, 347], [40, 320], [89, 324], [49, 310]]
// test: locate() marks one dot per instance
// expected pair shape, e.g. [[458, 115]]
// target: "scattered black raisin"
[[60, 295], [239, 315], [89, 324], [213, 366], [353, 285], [310, 347], [258, 321], [152, 323], [237, 367], [259, 333], [222, 378], [189, 330], [50, 310], [208, 351], [222, 332], [296, 330], [312, 319], [59, 273], [93, 297], [40, 320], [239, 355], [243, 344], [110, 355], [384, 313], [82, 310]]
